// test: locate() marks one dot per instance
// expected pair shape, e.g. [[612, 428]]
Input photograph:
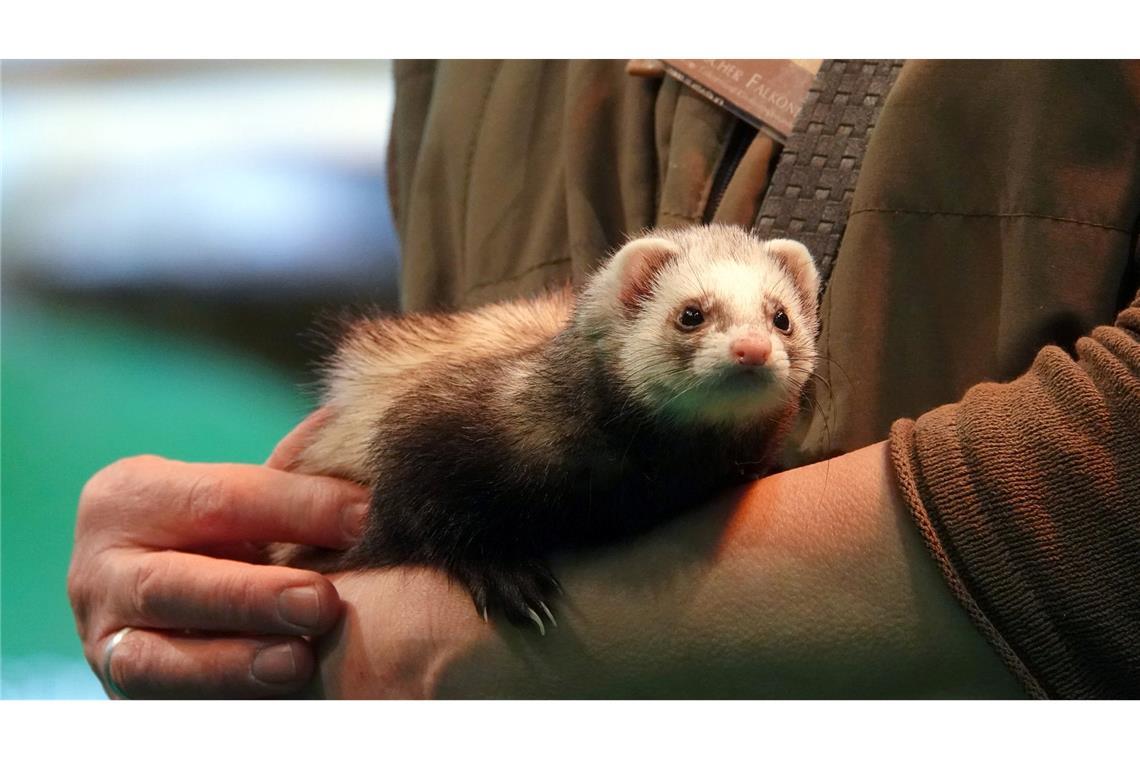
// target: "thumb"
[[284, 456]]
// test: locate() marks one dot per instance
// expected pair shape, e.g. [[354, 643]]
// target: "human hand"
[[176, 551]]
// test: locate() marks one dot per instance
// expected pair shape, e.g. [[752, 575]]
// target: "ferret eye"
[[691, 317], [781, 321]]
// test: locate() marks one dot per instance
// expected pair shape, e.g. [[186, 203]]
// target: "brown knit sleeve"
[[1028, 495]]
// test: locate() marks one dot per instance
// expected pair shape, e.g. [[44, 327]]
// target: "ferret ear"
[[637, 264], [796, 259]]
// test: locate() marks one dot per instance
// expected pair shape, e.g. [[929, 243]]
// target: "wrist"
[[402, 632]]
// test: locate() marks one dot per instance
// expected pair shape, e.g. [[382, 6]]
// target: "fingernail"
[[300, 606], [275, 664], [354, 518]]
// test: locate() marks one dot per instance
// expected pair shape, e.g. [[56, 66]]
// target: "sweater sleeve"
[[1028, 496]]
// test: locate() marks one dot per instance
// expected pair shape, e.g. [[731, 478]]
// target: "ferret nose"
[[752, 350]]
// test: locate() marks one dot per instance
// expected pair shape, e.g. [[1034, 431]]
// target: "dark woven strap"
[[810, 193]]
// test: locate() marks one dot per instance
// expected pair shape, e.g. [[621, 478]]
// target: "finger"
[[162, 665], [179, 505], [171, 590], [250, 552], [295, 441]]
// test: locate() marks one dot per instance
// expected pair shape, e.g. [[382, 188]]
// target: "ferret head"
[[706, 324]]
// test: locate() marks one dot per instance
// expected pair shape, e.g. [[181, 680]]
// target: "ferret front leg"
[[522, 591]]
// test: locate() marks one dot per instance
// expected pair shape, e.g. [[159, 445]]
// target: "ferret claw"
[[549, 614], [537, 620], [485, 618]]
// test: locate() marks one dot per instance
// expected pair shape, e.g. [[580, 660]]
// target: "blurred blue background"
[[169, 232]]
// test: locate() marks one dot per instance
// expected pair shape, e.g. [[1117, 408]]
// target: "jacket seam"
[[980, 215]]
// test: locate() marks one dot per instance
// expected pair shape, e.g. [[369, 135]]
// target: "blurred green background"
[[169, 231]]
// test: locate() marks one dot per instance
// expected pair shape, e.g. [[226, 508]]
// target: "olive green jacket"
[[996, 212]]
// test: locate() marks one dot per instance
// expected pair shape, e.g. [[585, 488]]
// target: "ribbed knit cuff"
[[911, 472]]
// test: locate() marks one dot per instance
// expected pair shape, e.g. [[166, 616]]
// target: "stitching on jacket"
[[971, 214]]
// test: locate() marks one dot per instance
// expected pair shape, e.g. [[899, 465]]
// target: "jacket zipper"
[[738, 142]]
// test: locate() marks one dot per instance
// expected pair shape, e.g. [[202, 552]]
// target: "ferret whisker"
[[827, 452], [822, 379], [839, 367]]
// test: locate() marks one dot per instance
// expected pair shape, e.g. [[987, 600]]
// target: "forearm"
[[812, 582]]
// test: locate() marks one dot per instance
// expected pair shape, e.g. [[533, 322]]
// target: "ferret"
[[493, 438]]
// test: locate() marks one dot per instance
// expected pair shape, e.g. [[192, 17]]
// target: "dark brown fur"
[[461, 492]]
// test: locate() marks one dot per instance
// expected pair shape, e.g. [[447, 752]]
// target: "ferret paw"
[[518, 592]]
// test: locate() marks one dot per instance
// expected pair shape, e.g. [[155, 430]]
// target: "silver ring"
[[108, 681]]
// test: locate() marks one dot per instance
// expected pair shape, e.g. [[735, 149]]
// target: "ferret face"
[[713, 325]]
